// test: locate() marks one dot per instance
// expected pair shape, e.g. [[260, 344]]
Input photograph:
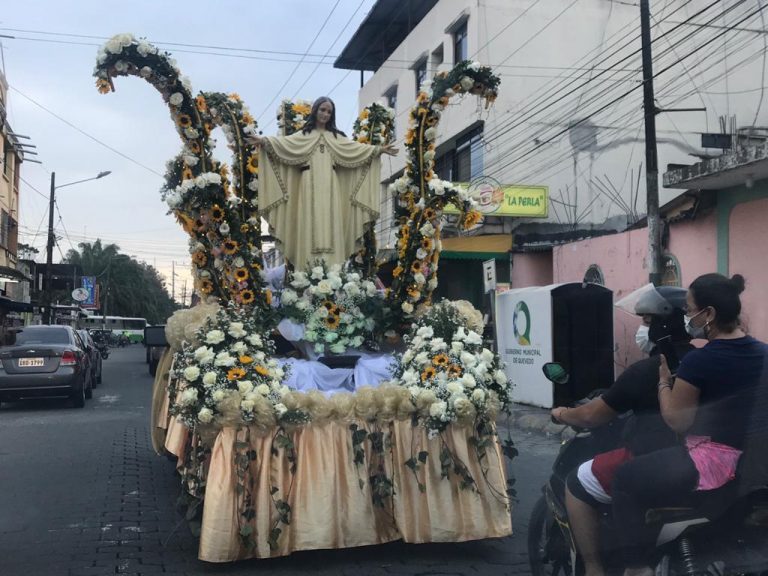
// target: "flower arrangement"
[[421, 196], [218, 210], [448, 372], [338, 308], [227, 375], [375, 125], [292, 115]]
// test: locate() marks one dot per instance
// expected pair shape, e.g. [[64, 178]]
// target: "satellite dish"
[[80, 294]]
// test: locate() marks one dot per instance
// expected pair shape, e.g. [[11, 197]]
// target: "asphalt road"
[[83, 494]]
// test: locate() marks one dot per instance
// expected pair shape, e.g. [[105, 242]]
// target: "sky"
[[254, 48]]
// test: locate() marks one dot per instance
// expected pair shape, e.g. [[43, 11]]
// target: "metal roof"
[[388, 23]]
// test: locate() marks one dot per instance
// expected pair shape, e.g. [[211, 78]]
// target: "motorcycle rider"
[[588, 487]]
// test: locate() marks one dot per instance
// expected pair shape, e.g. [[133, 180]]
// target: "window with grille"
[[594, 275], [421, 74], [460, 43], [670, 271]]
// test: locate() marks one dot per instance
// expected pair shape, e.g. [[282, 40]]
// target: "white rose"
[[209, 379], [500, 377], [239, 348], [224, 359], [247, 405], [280, 409], [421, 254], [478, 395], [236, 330], [318, 273], [176, 99], [331, 337], [191, 160], [324, 287], [468, 359], [245, 387], [407, 356], [438, 344], [455, 387], [254, 340], [419, 278], [121, 66], [410, 377], [457, 347], [205, 415], [415, 391], [191, 133], [289, 297], [438, 410], [473, 338], [302, 305], [466, 82], [468, 381], [218, 396], [145, 48], [432, 284], [204, 355], [173, 200], [188, 396], [338, 348], [224, 228], [407, 307], [427, 230], [486, 356], [262, 389], [214, 337], [425, 332], [422, 358], [191, 373], [145, 72]]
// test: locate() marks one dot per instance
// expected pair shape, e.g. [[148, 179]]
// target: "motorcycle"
[[719, 534]]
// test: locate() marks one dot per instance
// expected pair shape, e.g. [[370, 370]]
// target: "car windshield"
[[41, 335]]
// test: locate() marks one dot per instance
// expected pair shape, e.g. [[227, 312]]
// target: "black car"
[[46, 360], [94, 353]]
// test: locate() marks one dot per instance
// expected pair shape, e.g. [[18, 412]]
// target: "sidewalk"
[[535, 419]]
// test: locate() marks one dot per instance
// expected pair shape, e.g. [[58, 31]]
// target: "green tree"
[[134, 288]]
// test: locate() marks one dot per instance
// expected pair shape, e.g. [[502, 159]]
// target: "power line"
[[84, 133]]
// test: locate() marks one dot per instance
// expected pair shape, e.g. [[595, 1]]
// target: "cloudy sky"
[[254, 48]]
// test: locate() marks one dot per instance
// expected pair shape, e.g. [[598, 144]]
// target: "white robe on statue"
[[318, 191]]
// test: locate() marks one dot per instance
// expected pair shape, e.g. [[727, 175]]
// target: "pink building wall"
[[694, 244], [747, 256], [531, 269]]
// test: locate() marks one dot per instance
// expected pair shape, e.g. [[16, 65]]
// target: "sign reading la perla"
[[495, 199], [524, 336]]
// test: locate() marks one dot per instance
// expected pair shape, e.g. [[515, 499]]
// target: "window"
[[468, 163], [460, 43], [594, 275], [670, 271], [5, 228], [444, 165], [436, 59], [421, 74], [391, 98]]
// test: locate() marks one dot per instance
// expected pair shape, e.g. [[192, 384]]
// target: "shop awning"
[[8, 273], [8, 305], [490, 246]]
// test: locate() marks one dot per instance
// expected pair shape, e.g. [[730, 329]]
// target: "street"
[[83, 494]]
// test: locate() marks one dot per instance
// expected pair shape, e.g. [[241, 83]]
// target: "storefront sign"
[[507, 200]]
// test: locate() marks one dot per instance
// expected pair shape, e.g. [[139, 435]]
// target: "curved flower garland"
[[421, 196], [375, 125], [223, 223]]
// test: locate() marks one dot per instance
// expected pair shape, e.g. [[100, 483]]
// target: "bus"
[[131, 327]]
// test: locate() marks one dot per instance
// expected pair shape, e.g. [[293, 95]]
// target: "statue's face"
[[324, 112]]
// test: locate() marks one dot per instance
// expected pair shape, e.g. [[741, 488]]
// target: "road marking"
[[109, 398]]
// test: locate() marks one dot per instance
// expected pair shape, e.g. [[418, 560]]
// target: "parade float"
[[380, 424]]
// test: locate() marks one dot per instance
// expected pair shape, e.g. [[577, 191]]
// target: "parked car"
[[40, 361], [94, 353], [154, 340]]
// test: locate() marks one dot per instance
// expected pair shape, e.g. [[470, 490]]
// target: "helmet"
[[661, 301]]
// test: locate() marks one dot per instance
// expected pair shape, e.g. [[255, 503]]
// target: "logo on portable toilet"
[[521, 324]]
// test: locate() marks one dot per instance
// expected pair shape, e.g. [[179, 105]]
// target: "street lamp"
[[48, 317]]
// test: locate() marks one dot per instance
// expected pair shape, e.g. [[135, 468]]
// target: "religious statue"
[[318, 189]]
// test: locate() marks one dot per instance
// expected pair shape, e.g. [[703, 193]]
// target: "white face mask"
[[642, 340], [695, 332]]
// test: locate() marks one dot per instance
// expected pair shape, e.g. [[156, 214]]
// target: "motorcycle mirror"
[[555, 373]]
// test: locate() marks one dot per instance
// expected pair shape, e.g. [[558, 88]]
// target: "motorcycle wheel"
[[543, 537]]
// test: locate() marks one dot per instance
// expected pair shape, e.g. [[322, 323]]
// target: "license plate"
[[30, 362]]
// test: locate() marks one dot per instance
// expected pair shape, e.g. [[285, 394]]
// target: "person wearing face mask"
[[589, 487], [710, 404]]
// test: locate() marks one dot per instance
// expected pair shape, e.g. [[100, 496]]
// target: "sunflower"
[[409, 137], [256, 266], [184, 120], [194, 146], [362, 139], [199, 258], [224, 171], [441, 360], [207, 127], [230, 246], [414, 293], [234, 96], [328, 305], [397, 271], [247, 296], [422, 97], [472, 217], [416, 266], [187, 174], [455, 371], [429, 372], [261, 370], [302, 109], [241, 274], [432, 120], [332, 321], [268, 296], [253, 164], [429, 213], [247, 118], [364, 114], [206, 286], [244, 228], [245, 359], [235, 373], [201, 104], [104, 86], [426, 243], [217, 213]]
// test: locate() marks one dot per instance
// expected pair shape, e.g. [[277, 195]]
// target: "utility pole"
[[173, 280], [184, 294], [651, 154], [48, 317], [106, 297]]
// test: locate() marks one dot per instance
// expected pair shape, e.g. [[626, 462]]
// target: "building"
[[569, 113], [12, 279]]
